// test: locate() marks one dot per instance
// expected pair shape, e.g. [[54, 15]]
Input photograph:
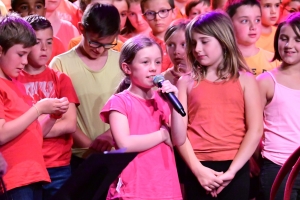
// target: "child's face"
[[30, 7], [247, 24], [122, 8], [291, 7], [289, 45], [145, 65], [176, 48], [13, 61], [93, 45], [136, 18], [161, 21], [200, 8], [269, 11], [41, 52], [51, 5], [207, 50]]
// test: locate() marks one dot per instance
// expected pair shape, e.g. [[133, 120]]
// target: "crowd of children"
[[77, 78]]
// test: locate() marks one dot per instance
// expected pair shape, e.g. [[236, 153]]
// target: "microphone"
[[158, 80]]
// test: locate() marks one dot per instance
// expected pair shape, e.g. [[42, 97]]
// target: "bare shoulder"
[[246, 79], [185, 81]]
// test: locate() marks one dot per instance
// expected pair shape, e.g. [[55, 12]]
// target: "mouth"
[[252, 35], [151, 77]]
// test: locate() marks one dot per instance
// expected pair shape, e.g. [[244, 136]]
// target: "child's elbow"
[[179, 141]]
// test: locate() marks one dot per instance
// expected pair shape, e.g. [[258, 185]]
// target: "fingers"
[[219, 190]]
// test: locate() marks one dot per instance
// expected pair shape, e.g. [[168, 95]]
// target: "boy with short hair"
[[159, 14], [20, 133], [246, 18], [32, 7], [42, 82], [269, 18], [94, 70]]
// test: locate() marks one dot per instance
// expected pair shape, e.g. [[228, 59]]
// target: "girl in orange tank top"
[[224, 121]]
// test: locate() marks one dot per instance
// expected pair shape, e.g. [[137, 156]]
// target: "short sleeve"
[[66, 89], [56, 64], [114, 103]]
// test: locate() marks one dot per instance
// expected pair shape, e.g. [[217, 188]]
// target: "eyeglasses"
[[98, 44], [150, 15]]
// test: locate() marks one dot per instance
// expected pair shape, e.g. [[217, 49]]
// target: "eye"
[[158, 62], [297, 39], [163, 11], [150, 13], [171, 45], [23, 8], [244, 21], [257, 20], [145, 62], [39, 6], [183, 45], [123, 14]]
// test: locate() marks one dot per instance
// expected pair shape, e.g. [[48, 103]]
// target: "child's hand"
[[165, 132], [227, 178], [168, 87], [52, 106], [209, 179]]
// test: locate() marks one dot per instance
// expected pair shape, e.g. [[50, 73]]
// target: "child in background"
[[269, 17], [122, 7], [198, 7], [68, 11], [159, 14], [175, 43], [137, 117], [93, 69], [225, 126], [246, 18], [28, 7], [280, 93], [218, 4], [83, 4], [62, 29], [180, 8], [21, 135], [135, 23], [287, 7], [42, 82]]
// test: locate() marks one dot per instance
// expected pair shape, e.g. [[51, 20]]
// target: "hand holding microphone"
[[158, 81]]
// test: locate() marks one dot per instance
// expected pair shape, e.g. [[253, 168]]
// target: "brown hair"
[[15, 30], [216, 24]]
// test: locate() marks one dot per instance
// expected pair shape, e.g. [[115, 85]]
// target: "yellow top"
[[93, 89], [266, 42]]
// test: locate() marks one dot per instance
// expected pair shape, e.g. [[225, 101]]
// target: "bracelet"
[[54, 116], [38, 112]]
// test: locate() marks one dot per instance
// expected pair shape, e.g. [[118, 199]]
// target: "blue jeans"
[[268, 173], [58, 176], [29, 192]]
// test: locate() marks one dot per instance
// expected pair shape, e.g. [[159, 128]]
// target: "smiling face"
[[13, 61], [247, 24], [145, 65], [289, 45], [207, 50], [41, 52]]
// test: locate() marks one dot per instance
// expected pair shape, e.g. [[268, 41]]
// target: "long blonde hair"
[[216, 24]]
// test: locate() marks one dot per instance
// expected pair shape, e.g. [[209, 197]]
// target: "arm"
[[80, 140], [254, 124], [133, 143], [10, 130], [103, 142], [65, 125], [179, 123]]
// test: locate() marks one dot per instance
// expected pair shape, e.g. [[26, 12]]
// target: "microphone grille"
[[158, 78]]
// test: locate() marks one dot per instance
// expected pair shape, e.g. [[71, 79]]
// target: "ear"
[[126, 68], [80, 27]]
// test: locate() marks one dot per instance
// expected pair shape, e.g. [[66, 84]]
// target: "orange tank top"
[[216, 119]]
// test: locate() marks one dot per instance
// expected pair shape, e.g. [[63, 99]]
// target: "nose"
[[31, 10], [43, 46], [24, 59], [139, 18], [273, 9], [198, 47], [253, 26]]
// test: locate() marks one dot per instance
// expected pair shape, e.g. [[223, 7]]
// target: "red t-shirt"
[[166, 62], [52, 84], [23, 154]]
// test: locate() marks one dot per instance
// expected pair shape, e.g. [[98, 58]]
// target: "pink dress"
[[152, 174]]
